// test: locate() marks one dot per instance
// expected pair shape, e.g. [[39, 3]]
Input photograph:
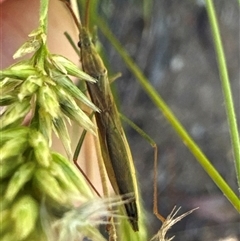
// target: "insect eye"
[[79, 44], [84, 44], [104, 71]]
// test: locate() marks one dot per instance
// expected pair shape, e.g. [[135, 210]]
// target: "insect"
[[114, 146]]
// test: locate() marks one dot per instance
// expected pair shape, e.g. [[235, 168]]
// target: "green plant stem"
[[188, 141], [43, 21], [225, 86], [43, 15]]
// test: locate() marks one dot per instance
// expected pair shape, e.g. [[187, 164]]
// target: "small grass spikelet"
[[37, 38], [168, 223], [40, 148], [25, 213], [18, 180], [83, 221]]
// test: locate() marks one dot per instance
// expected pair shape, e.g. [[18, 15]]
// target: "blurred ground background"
[[174, 49]]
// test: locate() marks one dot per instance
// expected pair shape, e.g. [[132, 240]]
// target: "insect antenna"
[[76, 20], [86, 20]]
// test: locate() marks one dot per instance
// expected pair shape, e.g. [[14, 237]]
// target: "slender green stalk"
[[43, 24], [147, 9], [43, 14], [225, 86], [76, 49], [202, 159]]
